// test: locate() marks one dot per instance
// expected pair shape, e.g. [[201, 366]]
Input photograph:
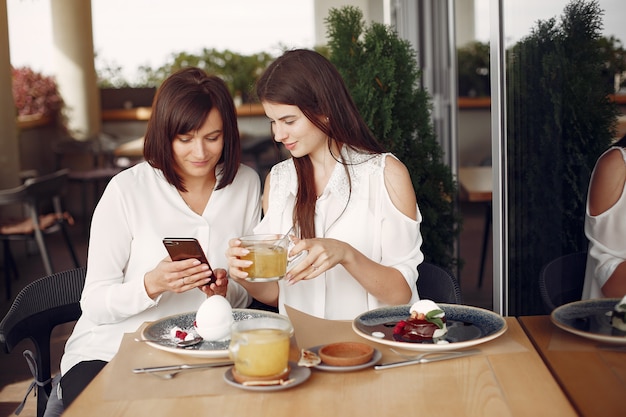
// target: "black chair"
[[34, 197], [96, 164], [264, 152], [38, 308], [436, 284], [561, 280]]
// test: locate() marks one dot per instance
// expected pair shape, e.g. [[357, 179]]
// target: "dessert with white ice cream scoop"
[[214, 318], [427, 322]]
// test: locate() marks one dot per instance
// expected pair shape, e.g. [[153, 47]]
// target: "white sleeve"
[[109, 297]]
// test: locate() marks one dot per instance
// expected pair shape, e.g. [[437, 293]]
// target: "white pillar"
[[9, 149], [76, 73], [465, 22]]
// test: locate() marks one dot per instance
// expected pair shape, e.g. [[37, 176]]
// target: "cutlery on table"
[[174, 369], [180, 344], [428, 357]]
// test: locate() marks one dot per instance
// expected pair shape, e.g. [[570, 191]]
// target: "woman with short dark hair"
[[191, 185]]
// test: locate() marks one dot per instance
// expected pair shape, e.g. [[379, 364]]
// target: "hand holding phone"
[[186, 248]]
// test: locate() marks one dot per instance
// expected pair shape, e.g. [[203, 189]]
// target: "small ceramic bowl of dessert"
[[346, 353]]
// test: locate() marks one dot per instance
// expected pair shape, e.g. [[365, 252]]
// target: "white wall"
[[373, 10]]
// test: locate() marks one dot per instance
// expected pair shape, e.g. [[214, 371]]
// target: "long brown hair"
[[181, 105], [306, 79]]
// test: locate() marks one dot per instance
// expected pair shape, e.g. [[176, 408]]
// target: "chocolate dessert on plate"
[[426, 322]]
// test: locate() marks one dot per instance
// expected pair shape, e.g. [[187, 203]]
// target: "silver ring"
[[183, 281], [314, 267]]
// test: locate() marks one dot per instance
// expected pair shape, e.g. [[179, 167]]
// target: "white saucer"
[[299, 374]]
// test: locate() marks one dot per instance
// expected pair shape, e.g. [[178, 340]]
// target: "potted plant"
[[239, 72], [382, 74], [35, 95], [473, 70]]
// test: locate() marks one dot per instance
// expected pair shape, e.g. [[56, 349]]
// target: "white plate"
[[467, 326], [299, 374], [159, 331], [589, 319], [324, 367]]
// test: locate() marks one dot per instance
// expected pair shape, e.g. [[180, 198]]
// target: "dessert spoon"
[[181, 344]]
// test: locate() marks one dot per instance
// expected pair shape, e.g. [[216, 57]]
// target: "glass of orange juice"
[[268, 254], [259, 347]]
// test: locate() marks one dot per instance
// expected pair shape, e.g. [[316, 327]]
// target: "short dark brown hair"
[[181, 105]]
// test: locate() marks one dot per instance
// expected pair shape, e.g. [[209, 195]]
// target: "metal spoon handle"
[[181, 367], [181, 344], [442, 357]]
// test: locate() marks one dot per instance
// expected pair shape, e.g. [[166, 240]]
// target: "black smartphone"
[[181, 248]]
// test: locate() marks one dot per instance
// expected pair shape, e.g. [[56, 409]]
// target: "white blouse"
[[607, 245], [365, 219], [137, 210]]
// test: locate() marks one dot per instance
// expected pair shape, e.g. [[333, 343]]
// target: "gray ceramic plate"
[[467, 326], [590, 319], [299, 374], [159, 331]]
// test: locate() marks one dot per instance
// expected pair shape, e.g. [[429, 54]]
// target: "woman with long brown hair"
[[351, 204]]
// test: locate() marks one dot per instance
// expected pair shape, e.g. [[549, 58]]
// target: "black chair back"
[[436, 284], [36, 311], [561, 280]]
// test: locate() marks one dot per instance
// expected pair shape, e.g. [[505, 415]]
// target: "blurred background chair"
[[34, 198], [486, 233], [92, 163], [36, 311], [561, 280], [436, 284], [260, 152]]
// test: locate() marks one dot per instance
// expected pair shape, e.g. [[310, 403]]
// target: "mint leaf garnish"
[[437, 321]]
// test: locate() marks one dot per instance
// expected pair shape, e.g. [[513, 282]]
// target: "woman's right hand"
[[176, 276], [233, 254]]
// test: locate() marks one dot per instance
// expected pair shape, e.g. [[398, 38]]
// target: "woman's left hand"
[[323, 255], [383, 282], [219, 287]]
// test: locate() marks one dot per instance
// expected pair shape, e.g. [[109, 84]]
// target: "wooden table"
[[594, 378], [130, 149], [507, 378], [476, 183]]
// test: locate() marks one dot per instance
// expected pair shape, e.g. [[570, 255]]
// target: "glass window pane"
[[560, 116]]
